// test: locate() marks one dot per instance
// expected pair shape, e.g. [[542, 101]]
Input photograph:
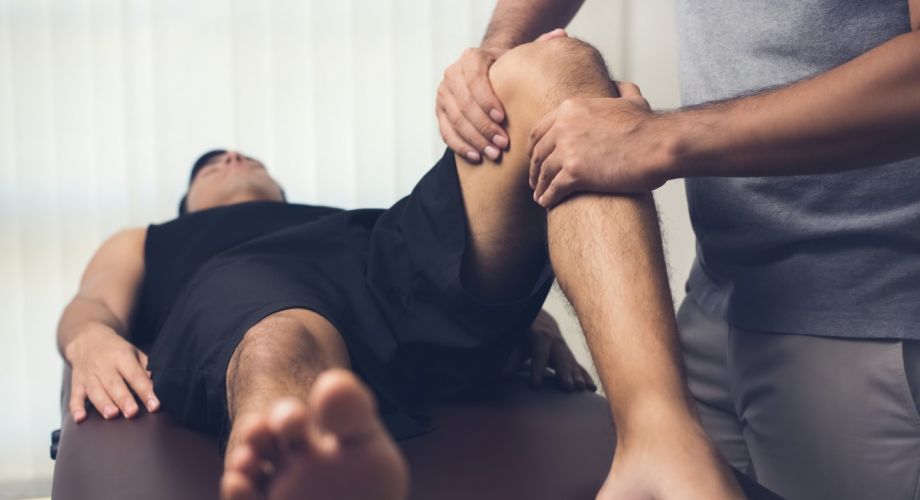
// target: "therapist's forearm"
[[518, 21], [863, 113]]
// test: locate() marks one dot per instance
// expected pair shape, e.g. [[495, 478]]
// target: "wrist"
[[500, 42], [90, 332], [695, 141], [656, 416]]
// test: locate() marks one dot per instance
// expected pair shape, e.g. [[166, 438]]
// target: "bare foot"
[[332, 447]]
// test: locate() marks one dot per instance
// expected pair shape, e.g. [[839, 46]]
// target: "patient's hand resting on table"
[[547, 349], [105, 365]]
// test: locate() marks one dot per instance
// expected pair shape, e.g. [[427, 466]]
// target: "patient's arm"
[[93, 331]]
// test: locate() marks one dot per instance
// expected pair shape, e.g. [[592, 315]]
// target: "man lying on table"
[[255, 311]]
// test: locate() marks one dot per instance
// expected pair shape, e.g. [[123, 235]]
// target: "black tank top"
[[175, 250]]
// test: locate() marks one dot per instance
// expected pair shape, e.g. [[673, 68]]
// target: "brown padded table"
[[507, 442]]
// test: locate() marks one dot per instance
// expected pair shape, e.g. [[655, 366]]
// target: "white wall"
[[104, 103]]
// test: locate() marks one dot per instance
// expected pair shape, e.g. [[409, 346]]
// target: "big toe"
[[344, 407]]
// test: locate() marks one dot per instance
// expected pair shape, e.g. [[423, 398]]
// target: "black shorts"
[[389, 280]]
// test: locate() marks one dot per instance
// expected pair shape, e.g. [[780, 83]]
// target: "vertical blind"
[[104, 104]]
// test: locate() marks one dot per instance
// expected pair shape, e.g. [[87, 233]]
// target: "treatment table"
[[508, 442]]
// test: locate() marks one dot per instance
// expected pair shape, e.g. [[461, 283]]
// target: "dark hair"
[[196, 167]]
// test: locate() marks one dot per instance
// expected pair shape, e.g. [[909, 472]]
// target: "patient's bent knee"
[[551, 69]]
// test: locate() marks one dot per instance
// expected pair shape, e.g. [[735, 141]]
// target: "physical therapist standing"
[[799, 139]]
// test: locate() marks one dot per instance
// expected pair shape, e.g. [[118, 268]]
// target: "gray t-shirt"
[[835, 255]]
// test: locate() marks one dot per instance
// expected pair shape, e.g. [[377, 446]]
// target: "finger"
[[577, 378], [482, 93], [453, 119], [540, 129], [121, 396], [541, 151], [551, 167], [142, 358], [100, 399], [539, 360], [556, 33], [628, 89], [541, 144], [589, 380], [455, 142], [473, 126], [561, 186], [77, 403], [141, 385], [565, 380]]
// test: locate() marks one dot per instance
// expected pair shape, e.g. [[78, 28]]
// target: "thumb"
[[549, 35], [628, 89]]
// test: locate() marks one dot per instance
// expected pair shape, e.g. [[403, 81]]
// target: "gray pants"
[[808, 417]]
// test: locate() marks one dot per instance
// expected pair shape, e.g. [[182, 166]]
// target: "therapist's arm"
[[863, 113], [470, 116]]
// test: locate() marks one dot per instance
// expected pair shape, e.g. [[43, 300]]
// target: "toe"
[[234, 485], [344, 407], [243, 460], [256, 434], [289, 421]]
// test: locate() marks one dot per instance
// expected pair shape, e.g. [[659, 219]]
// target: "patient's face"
[[231, 178]]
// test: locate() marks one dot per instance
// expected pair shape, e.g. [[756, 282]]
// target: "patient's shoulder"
[[128, 237], [128, 242]]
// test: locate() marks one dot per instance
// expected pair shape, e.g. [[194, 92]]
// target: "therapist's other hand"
[[548, 349], [662, 458], [608, 145], [470, 115], [104, 366]]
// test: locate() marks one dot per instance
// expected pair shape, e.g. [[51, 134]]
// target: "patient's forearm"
[[518, 21], [83, 315]]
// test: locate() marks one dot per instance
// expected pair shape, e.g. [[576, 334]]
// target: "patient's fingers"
[[565, 380], [140, 383], [578, 379], [121, 396], [77, 403], [541, 351], [142, 358], [589, 380], [100, 399]]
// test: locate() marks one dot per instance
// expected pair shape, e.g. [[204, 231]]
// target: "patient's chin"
[[333, 446]]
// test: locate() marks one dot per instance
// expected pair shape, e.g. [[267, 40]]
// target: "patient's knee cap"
[[550, 68]]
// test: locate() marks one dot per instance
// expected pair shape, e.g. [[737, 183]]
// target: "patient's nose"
[[234, 156]]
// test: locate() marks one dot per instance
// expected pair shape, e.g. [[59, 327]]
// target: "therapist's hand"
[[607, 145], [104, 366], [470, 115]]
